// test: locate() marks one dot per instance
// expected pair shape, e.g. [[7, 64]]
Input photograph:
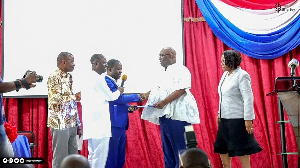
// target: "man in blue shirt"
[[119, 116]]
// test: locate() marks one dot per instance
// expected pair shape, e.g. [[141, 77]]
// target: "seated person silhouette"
[[75, 161], [194, 158]]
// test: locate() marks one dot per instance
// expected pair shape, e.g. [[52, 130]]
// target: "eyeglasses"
[[163, 55]]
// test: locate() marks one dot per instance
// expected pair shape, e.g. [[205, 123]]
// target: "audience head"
[[65, 62], [75, 161], [194, 158], [99, 63], [167, 56], [231, 58], [114, 68]]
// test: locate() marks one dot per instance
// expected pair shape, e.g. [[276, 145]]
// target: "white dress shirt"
[[184, 108], [236, 97], [95, 107]]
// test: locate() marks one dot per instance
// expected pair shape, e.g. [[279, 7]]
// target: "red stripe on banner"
[[257, 4]]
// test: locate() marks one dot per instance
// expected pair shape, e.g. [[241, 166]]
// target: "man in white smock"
[[174, 106], [95, 112]]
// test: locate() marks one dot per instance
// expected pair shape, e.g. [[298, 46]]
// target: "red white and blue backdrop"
[[267, 35], [262, 31]]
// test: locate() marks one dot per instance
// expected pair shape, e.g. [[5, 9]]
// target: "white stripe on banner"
[[259, 21]]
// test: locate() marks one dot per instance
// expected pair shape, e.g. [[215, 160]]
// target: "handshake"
[[144, 96]]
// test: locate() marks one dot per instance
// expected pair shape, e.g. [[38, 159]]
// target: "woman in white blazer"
[[236, 114]]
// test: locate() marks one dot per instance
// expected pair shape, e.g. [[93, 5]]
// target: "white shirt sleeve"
[[101, 86]]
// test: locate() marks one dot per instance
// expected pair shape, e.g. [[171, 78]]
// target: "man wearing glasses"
[[174, 106]]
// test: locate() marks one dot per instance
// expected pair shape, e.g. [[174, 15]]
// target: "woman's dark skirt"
[[233, 138]]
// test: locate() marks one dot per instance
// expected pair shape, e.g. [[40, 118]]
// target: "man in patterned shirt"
[[62, 110]]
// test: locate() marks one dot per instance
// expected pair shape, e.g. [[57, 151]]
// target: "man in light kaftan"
[[174, 106]]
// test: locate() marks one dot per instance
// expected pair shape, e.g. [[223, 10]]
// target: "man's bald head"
[[170, 50], [75, 161], [167, 56], [194, 158]]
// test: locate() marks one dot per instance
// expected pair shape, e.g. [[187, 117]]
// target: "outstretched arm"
[[124, 99], [30, 78]]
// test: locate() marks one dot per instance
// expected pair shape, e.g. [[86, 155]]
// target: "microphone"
[[124, 78], [293, 64]]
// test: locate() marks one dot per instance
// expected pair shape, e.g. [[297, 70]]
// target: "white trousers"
[[98, 152]]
